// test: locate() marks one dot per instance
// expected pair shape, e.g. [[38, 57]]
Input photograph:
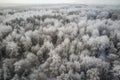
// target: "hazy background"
[[59, 1], [8, 3]]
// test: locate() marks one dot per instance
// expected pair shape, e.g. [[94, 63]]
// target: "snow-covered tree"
[[60, 42]]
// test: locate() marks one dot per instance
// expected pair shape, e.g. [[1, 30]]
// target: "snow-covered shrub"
[[101, 42], [104, 15], [8, 68], [93, 74], [5, 30], [12, 49], [25, 43]]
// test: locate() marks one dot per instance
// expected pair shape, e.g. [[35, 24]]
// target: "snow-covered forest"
[[60, 42]]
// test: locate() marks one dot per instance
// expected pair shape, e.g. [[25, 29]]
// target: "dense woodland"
[[60, 42]]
